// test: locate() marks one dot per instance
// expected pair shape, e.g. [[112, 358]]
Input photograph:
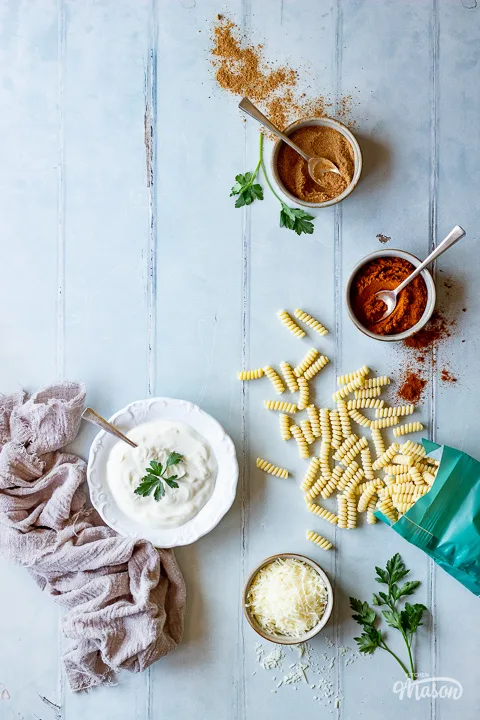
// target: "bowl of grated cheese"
[[287, 599]]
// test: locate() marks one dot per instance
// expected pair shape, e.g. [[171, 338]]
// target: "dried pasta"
[[367, 394], [378, 442], [304, 397], [313, 416], [344, 418], [250, 374], [361, 372], [349, 388], [332, 484], [322, 512], [371, 517], [359, 418], [346, 446], [399, 410], [396, 470], [377, 382], [403, 460], [362, 404], [366, 497], [416, 476], [281, 406], [384, 423], [274, 378], [412, 448], [305, 363], [271, 469], [310, 321], [301, 442], [408, 428], [354, 451], [325, 424], [319, 540], [351, 513], [428, 477], [357, 478], [307, 431], [386, 507], [290, 324], [289, 376], [316, 489], [342, 511], [386, 457], [366, 458], [311, 474], [324, 459], [285, 422], [347, 476], [337, 436], [315, 367]]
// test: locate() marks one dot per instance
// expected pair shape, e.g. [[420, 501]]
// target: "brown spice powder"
[[317, 141], [412, 387], [242, 70]]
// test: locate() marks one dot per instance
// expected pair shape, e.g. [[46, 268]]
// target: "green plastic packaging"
[[445, 523]]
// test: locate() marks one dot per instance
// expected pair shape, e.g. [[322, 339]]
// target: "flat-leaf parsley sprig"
[[406, 620], [248, 190], [153, 481]]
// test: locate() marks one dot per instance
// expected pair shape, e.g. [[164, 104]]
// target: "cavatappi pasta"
[[310, 321], [290, 324], [305, 363], [274, 378], [250, 374], [271, 469], [289, 377], [341, 461]]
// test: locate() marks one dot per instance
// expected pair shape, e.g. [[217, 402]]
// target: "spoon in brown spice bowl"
[[389, 297], [316, 166]]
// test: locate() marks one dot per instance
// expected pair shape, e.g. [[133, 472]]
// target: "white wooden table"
[[148, 282]]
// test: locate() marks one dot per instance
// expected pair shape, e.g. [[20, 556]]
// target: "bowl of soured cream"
[[206, 476]]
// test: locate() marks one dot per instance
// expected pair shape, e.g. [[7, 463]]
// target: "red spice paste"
[[386, 273]]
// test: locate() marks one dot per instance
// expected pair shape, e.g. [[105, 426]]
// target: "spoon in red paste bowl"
[[389, 297]]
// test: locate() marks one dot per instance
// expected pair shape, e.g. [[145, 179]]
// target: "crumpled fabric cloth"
[[125, 600]]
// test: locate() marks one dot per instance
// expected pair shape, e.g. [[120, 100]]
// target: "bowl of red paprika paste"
[[385, 270]]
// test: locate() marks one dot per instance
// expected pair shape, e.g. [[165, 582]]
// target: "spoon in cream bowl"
[[93, 417], [317, 166], [389, 297]]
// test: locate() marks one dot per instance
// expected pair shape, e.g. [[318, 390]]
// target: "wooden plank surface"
[[126, 265]]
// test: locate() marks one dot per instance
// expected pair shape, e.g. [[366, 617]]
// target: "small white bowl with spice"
[[287, 599], [386, 269], [320, 137]]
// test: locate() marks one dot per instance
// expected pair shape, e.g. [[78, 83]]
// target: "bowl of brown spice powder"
[[385, 270], [320, 137]]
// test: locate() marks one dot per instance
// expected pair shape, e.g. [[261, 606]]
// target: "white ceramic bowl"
[[431, 295], [357, 159], [221, 445], [284, 639]]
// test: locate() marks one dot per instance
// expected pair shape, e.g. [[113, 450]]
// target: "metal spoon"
[[316, 166], [92, 417], [389, 297]]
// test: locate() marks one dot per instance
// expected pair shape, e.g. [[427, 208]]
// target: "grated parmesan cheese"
[[287, 597]]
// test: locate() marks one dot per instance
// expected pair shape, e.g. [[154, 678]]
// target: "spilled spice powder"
[[242, 69], [447, 376], [317, 141], [412, 387], [436, 330]]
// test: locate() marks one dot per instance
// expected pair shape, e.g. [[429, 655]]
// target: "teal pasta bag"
[[445, 523]]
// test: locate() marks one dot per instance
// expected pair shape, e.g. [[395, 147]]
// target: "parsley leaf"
[[296, 219], [246, 189], [154, 480], [406, 621]]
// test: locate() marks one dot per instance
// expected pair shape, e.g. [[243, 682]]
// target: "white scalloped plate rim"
[[226, 482]]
